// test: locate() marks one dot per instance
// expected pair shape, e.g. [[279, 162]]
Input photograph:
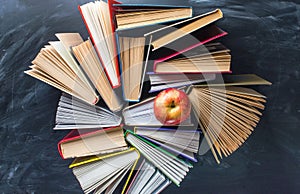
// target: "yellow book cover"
[[89, 159]]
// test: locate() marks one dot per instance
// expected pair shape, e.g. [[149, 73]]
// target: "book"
[[56, 66], [187, 43], [142, 114], [213, 57], [98, 19], [89, 159], [235, 80], [79, 143], [148, 180], [170, 165], [133, 68], [227, 114], [130, 16], [106, 173], [73, 113], [173, 32], [161, 81], [183, 142], [134, 51], [90, 63]]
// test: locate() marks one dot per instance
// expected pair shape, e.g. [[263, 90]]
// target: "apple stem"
[[172, 104]]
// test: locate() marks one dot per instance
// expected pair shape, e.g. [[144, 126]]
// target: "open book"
[[98, 19], [139, 15], [170, 165], [173, 32], [105, 173], [162, 81], [72, 113], [56, 66], [211, 57], [134, 63], [147, 180], [227, 114], [79, 143], [90, 63], [183, 142]]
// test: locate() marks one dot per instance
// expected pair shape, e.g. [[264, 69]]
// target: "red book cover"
[[75, 135], [114, 40]]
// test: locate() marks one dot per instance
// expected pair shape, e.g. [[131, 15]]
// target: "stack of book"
[[129, 43]]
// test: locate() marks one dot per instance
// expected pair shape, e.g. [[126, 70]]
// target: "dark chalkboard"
[[264, 39]]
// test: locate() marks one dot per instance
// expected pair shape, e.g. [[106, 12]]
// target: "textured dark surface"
[[264, 39]]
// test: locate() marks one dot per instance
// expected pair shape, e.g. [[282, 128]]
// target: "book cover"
[[86, 133]]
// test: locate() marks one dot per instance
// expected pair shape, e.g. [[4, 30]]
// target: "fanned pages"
[[139, 15], [105, 173], [142, 114], [56, 66], [132, 57], [198, 60], [227, 115], [97, 18], [148, 180], [186, 45], [183, 142], [171, 166], [87, 57], [72, 113], [79, 143], [163, 81]]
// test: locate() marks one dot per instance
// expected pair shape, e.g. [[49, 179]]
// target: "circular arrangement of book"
[[113, 142]]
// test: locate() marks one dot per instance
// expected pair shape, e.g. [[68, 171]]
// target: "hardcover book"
[[148, 180], [227, 114], [97, 17], [129, 16], [182, 142], [170, 165], [73, 113], [79, 143], [173, 32], [162, 81], [211, 57], [90, 63], [133, 56], [105, 174], [56, 66]]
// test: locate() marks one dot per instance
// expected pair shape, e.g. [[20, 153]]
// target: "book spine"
[[59, 149]]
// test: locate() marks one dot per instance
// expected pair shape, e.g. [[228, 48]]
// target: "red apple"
[[172, 106]]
